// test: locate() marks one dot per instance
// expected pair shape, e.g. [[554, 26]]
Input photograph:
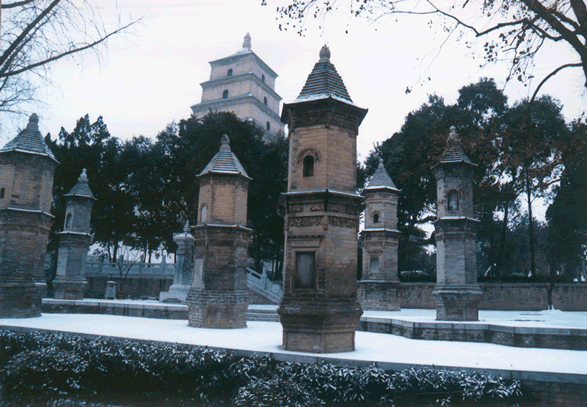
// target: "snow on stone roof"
[[324, 81], [454, 152], [381, 178], [30, 141], [225, 162], [81, 188]]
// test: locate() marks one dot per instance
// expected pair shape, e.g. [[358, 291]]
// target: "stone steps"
[[262, 315]]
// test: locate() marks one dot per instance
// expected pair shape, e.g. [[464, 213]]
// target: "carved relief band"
[[343, 222], [306, 221]]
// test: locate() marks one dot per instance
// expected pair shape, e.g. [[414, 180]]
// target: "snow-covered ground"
[[266, 337]]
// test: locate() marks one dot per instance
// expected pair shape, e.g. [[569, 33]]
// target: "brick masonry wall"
[[496, 296]]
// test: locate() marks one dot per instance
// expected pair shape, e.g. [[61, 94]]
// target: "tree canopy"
[[147, 189], [520, 150]]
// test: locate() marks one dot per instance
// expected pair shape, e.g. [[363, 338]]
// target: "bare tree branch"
[[17, 4], [64, 54], [550, 75]]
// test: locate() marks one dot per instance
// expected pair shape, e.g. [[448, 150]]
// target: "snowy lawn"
[[267, 336]]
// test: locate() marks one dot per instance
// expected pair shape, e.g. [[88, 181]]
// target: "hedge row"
[[41, 367]]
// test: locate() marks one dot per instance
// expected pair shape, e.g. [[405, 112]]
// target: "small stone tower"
[[219, 297], [182, 278], [319, 310], [27, 167], [70, 282], [457, 293], [379, 284]]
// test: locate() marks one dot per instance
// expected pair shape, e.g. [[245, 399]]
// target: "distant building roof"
[[453, 152], [224, 162], [30, 141], [81, 188], [324, 81], [381, 179]]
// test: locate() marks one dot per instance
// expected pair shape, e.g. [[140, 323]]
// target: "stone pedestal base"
[[20, 300], [320, 328], [177, 293], [73, 289], [457, 302], [379, 295], [222, 310]]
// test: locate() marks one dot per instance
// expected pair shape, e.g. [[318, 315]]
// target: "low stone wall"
[[136, 286], [504, 296], [496, 296]]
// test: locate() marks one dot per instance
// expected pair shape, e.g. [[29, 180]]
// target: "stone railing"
[[263, 286], [97, 266]]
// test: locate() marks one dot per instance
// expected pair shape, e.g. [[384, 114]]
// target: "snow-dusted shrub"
[[41, 372], [49, 365], [275, 392]]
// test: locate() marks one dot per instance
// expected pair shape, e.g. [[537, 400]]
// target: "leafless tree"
[[36, 33], [514, 30]]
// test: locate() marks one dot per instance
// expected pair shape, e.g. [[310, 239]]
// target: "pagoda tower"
[[27, 167], [70, 282], [245, 85], [457, 294], [219, 296], [378, 288], [319, 310]]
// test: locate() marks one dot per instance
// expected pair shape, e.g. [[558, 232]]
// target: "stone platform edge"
[[527, 337], [285, 356], [524, 337]]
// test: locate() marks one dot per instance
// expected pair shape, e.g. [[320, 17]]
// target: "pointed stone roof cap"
[[81, 188], [225, 162], [380, 179], [454, 153], [30, 141], [324, 81]]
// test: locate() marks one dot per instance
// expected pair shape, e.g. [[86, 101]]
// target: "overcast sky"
[[151, 76]]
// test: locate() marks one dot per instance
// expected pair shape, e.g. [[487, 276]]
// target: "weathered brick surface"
[[456, 294], [219, 297], [27, 180], [225, 198], [321, 313], [379, 296]]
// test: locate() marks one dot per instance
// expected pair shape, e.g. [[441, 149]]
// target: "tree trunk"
[[531, 227], [115, 253], [498, 272]]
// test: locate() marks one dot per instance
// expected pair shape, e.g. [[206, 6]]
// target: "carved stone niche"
[[305, 261]]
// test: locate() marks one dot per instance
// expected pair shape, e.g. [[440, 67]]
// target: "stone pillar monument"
[[319, 310], [27, 167], [70, 282], [379, 284], [219, 297], [457, 293], [182, 278]]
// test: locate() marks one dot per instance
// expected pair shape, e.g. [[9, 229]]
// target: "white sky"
[[150, 76]]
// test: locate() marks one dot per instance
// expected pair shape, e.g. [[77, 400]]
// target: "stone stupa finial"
[[83, 177], [247, 41], [33, 122], [453, 136], [186, 227], [324, 54], [225, 147], [380, 162]]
